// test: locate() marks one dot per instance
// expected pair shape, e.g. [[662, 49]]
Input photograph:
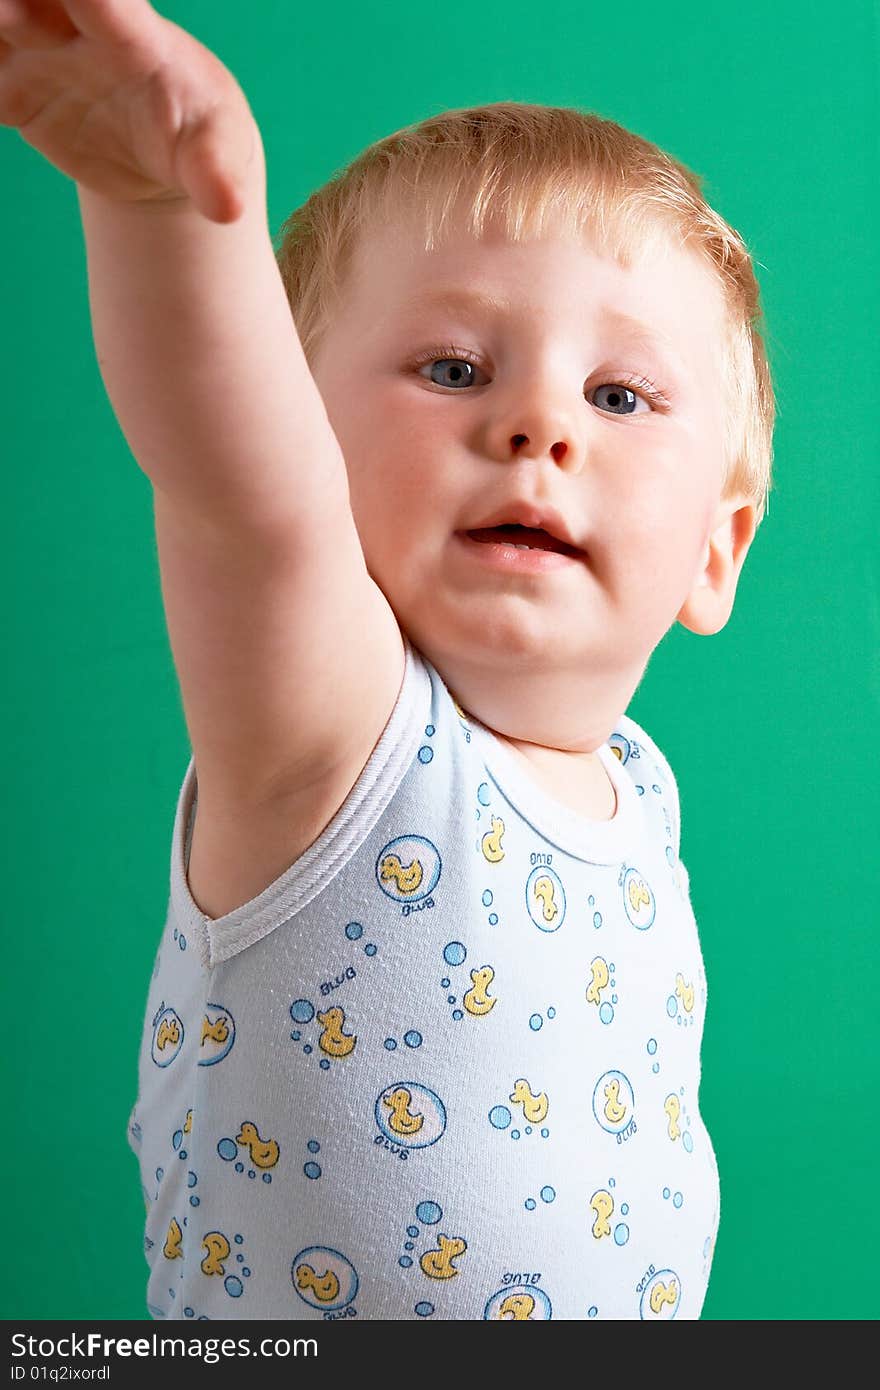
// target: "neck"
[[573, 712]]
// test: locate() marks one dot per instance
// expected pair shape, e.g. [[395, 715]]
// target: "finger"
[[35, 23], [114, 21], [212, 162]]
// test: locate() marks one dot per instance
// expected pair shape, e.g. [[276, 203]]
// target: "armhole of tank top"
[[221, 938]]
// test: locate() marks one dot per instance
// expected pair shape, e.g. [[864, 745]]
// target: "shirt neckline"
[[602, 841]]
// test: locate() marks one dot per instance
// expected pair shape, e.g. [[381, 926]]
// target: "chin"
[[506, 642]]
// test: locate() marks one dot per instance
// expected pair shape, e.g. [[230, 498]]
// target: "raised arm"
[[288, 655], [201, 360]]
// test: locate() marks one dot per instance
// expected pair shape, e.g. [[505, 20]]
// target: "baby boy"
[[423, 1034]]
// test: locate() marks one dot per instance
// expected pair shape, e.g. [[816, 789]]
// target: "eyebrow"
[[639, 332], [458, 299], [634, 330]]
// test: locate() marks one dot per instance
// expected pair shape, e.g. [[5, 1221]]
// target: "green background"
[[770, 725]]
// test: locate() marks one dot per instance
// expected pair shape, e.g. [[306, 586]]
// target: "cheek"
[[391, 495], [394, 513], [371, 462], [402, 480], [383, 473], [660, 536], [376, 508]]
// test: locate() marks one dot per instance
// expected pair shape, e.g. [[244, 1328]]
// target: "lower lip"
[[496, 555]]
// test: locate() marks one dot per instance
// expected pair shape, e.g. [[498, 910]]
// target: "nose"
[[557, 451], [543, 426]]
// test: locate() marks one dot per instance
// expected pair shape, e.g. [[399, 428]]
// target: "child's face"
[[435, 451]]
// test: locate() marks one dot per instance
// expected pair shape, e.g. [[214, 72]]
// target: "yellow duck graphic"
[[599, 969], [544, 890], [685, 993], [324, 1286], [517, 1306], [437, 1264], [602, 1205], [614, 1111], [493, 850], [401, 1119], [534, 1107], [188, 1122], [169, 1033], [173, 1247], [217, 1032], [477, 1001], [407, 879], [264, 1152], [333, 1041], [216, 1248], [672, 1107], [638, 894], [662, 1293]]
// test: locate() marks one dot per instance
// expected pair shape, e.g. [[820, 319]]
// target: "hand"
[[126, 103]]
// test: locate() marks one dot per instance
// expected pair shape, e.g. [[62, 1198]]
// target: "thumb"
[[213, 160]]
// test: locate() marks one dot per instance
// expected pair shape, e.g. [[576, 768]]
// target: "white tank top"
[[447, 1064]]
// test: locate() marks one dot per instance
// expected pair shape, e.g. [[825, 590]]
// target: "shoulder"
[[646, 764], [632, 741]]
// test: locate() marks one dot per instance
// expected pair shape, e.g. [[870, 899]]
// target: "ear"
[[710, 601]]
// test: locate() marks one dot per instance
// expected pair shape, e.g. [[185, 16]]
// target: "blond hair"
[[530, 167]]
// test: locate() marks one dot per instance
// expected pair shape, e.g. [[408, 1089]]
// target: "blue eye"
[[622, 399], [452, 372]]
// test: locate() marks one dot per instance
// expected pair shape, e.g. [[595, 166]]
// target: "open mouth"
[[523, 538]]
